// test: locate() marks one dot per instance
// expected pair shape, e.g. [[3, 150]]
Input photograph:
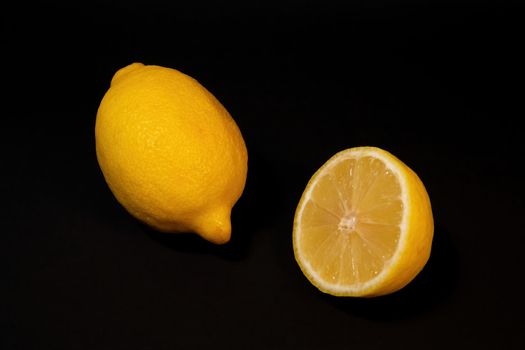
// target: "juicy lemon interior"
[[351, 221]]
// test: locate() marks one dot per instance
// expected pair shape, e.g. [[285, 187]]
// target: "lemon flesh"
[[170, 152], [364, 224]]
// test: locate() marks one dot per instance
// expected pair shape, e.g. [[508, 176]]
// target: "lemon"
[[170, 152], [364, 224]]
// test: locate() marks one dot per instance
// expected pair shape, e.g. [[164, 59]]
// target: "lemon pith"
[[170, 152], [364, 225]]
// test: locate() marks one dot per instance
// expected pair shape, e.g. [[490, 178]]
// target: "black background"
[[439, 84]]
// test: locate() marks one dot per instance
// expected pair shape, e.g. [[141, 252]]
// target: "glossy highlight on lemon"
[[364, 224], [170, 152]]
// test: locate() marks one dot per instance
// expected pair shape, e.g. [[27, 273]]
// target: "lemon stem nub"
[[215, 226], [123, 71]]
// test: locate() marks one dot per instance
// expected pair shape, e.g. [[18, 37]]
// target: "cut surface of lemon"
[[364, 224]]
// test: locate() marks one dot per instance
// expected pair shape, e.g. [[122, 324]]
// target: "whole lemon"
[[170, 152]]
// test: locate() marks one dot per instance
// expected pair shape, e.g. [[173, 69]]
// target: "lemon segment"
[[364, 225]]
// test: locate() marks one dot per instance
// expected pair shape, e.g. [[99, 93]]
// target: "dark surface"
[[439, 85]]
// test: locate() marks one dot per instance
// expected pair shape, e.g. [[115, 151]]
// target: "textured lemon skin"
[[411, 256], [170, 152]]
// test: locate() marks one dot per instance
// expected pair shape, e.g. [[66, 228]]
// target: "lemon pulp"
[[354, 219]]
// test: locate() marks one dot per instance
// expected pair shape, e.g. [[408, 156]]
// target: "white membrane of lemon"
[[349, 222]]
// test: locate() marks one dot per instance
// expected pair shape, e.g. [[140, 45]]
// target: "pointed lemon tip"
[[215, 226], [124, 71]]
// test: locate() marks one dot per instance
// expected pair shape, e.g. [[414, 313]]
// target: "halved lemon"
[[364, 224]]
